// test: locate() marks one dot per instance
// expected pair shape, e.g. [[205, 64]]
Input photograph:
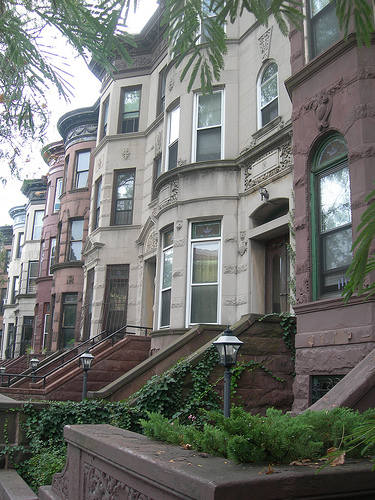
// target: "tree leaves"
[[363, 263]]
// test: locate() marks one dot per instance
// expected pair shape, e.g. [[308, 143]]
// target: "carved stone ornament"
[[265, 43], [126, 153], [302, 291], [159, 143], [70, 280], [152, 242], [60, 482], [171, 84], [181, 162], [323, 110], [268, 166], [82, 131], [101, 486], [242, 245]]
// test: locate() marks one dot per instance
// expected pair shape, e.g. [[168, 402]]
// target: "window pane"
[[334, 149], [167, 269], [83, 161], [165, 307], [205, 262], [270, 112], [56, 205], [317, 5], [125, 184], [75, 250], [204, 304], [326, 31], [37, 230], [206, 230], [209, 144], [131, 100], [174, 125], [172, 156], [209, 110], [77, 230], [268, 91], [335, 199], [337, 249]]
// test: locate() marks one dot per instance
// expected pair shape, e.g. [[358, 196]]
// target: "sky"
[[86, 92]]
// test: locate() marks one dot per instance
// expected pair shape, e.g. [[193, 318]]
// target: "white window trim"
[[195, 126], [168, 143], [259, 82], [163, 249], [190, 270]]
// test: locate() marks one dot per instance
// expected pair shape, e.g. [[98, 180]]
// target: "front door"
[[277, 275]]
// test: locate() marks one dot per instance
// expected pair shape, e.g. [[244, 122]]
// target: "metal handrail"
[[19, 376], [111, 337]]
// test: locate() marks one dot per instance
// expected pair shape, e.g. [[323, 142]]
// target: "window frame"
[[135, 119], [37, 228], [197, 130], [52, 254], [174, 116], [195, 242], [20, 241], [111, 320], [31, 285], [75, 240], [261, 122], [115, 199], [311, 27], [161, 91], [97, 200], [58, 193], [338, 163], [83, 173], [104, 119], [165, 295]]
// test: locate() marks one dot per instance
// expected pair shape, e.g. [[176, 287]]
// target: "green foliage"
[[362, 264], [30, 64], [40, 468], [276, 437]]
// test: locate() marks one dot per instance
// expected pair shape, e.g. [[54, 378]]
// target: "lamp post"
[[85, 361], [227, 346], [34, 362]]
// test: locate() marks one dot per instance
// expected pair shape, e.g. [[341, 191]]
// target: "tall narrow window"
[[75, 239], [116, 297], [56, 205], [65, 178], [31, 276], [161, 91], [82, 169], [69, 317], [208, 22], [20, 240], [332, 223], [38, 223], [41, 258], [3, 295], [27, 333], [323, 27], [15, 289], [105, 118], [166, 284], [130, 105], [268, 94], [208, 139], [98, 195], [205, 254], [87, 314], [173, 134], [123, 197], [52, 254]]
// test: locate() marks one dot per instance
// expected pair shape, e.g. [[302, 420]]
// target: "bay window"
[[75, 239], [82, 169], [323, 28], [123, 197], [130, 106], [172, 139]]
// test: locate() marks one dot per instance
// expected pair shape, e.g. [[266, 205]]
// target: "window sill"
[[275, 123]]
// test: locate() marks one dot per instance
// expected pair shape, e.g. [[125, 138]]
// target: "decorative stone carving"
[[171, 84], [323, 110], [268, 166], [100, 162], [181, 162], [126, 153], [70, 280], [159, 143], [265, 43], [242, 245], [302, 292], [81, 133], [60, 482], [152, 242], [179, 225], [174, 191], [99, 485]]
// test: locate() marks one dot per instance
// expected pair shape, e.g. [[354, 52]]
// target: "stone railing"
[[107, 462]]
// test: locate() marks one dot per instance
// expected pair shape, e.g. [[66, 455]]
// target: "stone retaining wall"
[[107, 462]]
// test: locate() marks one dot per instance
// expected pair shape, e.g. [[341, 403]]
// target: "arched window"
[[331, 217], [268, 94]]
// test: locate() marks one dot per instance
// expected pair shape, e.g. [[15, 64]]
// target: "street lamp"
[[34, 362], [85, 361], [227, 346]]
